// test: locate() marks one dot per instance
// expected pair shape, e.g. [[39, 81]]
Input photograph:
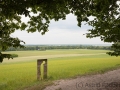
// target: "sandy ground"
[[107, 81]]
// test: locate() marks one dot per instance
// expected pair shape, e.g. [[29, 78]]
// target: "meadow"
[[20, 73]]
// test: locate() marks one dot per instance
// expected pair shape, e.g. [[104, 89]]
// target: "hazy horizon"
[[72, 44]]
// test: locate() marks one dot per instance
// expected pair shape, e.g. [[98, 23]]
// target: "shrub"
[[14, 55]]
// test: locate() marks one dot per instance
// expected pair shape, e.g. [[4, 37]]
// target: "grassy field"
[[20, 73]]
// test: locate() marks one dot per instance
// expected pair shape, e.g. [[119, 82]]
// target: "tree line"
[[50, 47]]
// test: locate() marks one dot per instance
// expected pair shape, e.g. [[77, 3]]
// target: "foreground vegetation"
[[20, 73]]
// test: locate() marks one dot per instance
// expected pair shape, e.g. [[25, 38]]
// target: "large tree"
[[106, 22]]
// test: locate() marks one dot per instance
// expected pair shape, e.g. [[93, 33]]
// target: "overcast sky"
[[61, 32]]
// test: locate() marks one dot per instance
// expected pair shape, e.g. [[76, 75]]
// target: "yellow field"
[[20, 73]]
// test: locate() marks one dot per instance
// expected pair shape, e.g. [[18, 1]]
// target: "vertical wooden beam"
[[39, 62], [45, 70]]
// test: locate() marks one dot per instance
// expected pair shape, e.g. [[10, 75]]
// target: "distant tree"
[[106, 22], [37, 48]]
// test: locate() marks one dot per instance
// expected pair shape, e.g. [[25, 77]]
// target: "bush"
[[14, 55]]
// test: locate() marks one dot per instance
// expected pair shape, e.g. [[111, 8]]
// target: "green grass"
[[22, 75], [55, 52], [73, 66]]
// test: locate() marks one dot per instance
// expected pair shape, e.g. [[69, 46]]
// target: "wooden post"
[[45, 70], [39, 62], [39, 69]]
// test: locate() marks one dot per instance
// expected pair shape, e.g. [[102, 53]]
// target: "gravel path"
[[107, 81]]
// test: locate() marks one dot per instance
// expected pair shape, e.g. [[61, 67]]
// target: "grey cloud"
[[70, 24]]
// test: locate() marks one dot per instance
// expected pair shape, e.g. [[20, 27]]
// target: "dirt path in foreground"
[[107, 81]]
